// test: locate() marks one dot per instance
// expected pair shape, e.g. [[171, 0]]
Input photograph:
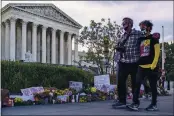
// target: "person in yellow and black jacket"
[[149, 55]]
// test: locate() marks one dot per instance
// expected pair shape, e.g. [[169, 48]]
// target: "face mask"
[[144, 32], [143, 29]]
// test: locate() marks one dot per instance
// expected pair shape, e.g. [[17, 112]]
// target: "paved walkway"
[[165, 106]]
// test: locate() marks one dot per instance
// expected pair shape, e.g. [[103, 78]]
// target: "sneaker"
[[146, 96], [151, 108], [133, 106], [149, 97], [115, 101], [119, 104]]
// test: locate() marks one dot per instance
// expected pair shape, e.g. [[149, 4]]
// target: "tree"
[[100, 38], [169, 60]]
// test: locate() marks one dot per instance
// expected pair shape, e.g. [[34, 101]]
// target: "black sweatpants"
[[152, 76], [124, 70], [146, 87]]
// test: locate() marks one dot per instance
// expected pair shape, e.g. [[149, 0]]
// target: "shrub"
[[170, 76], [16, 75]]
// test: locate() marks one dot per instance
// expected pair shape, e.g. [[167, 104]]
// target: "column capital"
[[12, 19], [62, 31], [70, 33], [44, 27], [53, 29], [24, 21], [35, 25], [6, 22]]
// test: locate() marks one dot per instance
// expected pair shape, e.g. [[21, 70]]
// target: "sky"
[[159, 12]]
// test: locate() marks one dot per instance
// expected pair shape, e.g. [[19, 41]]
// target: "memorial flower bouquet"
[[18, 101], [101, 95], [59, 92], [37, 96], [83, 99], [74, 92], [93, 89]]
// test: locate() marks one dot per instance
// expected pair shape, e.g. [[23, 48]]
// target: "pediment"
[[49, 11]]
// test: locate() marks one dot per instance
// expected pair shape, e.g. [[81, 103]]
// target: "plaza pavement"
[[165, 106]]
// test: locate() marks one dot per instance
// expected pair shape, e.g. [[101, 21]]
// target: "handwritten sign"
[[31, 90], [26, 92], [40, 89], [62, 98], [76, 85], [102, 82], [112, 87]]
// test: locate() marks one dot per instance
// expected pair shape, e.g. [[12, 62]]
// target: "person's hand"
[[153, 65]]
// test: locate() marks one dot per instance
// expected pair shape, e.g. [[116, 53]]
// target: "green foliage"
[[100, 38], [169, 61], [16, 76]]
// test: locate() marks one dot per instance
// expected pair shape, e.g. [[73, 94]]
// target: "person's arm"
[[156, 38]]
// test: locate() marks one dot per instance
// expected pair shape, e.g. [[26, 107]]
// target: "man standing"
[[129, 55]]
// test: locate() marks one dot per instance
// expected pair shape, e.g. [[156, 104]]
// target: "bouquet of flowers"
[[83, 99], [18, 101]]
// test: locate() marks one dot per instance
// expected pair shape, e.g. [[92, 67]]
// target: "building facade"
[[42, 29]]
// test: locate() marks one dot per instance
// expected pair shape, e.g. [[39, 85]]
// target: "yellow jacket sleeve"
[[156, 58]]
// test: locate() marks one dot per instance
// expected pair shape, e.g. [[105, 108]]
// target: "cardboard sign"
[[112, 87], [31, 90], [40, 89], [76, 85], [63, 98], [102, 82], [26, 92]]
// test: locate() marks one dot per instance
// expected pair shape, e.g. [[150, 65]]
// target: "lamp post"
[[163, 48], [106, 52]]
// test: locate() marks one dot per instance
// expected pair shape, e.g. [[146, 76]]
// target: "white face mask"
[[144, 32]]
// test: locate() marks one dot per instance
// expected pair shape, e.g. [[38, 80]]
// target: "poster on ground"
[[102, 82], [76, 85], [30, 91]]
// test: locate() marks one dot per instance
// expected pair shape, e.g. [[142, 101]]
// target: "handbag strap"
[[125, 40]]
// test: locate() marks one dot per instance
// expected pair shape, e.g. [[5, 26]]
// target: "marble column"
[[69, 48], [53, 47], [62, 47], [48, 46], [2, 45], [39, 48], [24, 39], [18, 41], [76, 48], [7, 42], [29, 38], [34, 42], [44, 44], [12, 38]]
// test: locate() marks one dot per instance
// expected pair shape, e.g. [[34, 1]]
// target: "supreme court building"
[[42, 29]]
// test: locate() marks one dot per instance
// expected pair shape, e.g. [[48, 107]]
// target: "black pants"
[[124, 70], [152, 77], [146, 87]]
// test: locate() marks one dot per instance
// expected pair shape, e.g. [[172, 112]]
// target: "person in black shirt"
[[149, 55]]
